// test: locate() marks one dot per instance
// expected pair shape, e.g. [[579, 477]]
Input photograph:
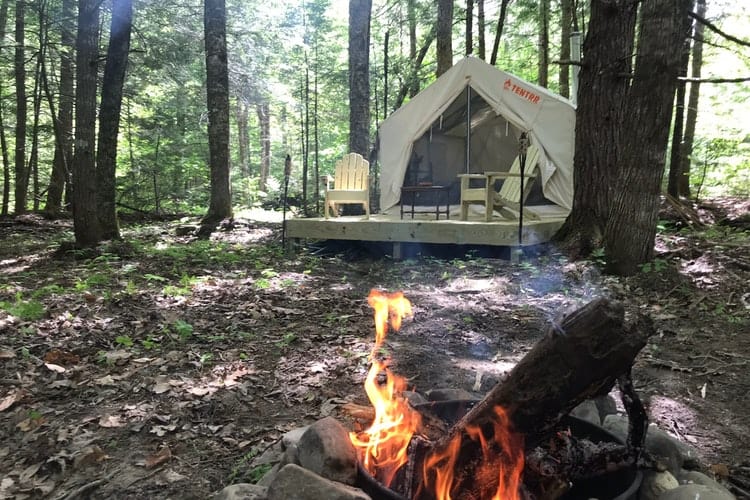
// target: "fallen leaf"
[[171, 476], [106, 380], [55, 368], [199, 391], [29, 472], [158, 458], [11, 399], [59, 357], [109, 421], [720, 470], [31, 423], [7, 354], [6, 484], [703, 391], [161, 430], [89, 456], [161, 387], [117, 357]]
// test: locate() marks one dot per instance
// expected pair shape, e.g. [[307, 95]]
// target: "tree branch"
[[708, 24], [715, 80]]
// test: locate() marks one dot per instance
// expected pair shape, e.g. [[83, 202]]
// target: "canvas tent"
[[426, 139]]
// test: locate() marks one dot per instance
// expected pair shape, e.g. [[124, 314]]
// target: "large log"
[[579, 358]]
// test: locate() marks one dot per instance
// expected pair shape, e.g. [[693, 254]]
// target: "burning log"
[[580, 358]]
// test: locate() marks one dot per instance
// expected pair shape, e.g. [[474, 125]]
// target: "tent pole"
[[468, 126]]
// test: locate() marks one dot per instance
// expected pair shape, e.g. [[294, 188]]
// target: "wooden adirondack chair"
[[507, 199], [349, 184]]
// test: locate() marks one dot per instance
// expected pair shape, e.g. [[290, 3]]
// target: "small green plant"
[[206, 358], [287, 339], [124, 340], [149, 343], [599, 257], [47, 290], [655, 266], [25, 310], [183, 329], [262, 283]]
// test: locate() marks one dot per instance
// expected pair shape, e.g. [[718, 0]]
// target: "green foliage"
[[655, 266], [124, 341], [183, 329], [25, 310]]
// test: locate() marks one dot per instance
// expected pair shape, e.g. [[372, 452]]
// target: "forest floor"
[[163, 366]]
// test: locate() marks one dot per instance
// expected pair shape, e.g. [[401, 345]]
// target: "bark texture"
[[63, 157], [631, 227], [85, 216], [444, 36], [217, 97], [359, 76], [603, 87], [21, 175], [109, 116]]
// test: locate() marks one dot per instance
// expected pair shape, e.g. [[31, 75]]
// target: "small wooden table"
[[441, 198]]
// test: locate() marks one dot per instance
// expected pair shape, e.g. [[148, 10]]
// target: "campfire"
[[516, 442]]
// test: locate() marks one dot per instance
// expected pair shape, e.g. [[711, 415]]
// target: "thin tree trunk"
[[109, 115], [306, 157], [480, 30], [217, 98], [469, 27], [316, 139], [692, 107], [678, 122], [264, 123], [3, 141], [499, 30], [359, 76], [21, 180], [444, 44], [631, 226], [543, 50], [61, 162], [243, 139], [566, 19], [85, 214], [33, 168], [412, 82]]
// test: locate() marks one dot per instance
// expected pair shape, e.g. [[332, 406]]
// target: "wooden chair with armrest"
[[349, 184], [507, 199]]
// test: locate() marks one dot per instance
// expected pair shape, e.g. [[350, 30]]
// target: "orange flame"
[[498, 475], [384, 445]]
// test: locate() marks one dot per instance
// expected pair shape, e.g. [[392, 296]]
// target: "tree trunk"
[[678, 123], [217, 97], [631, 227], [480, 30], [359, 76], [243, 136], [412, 81], [109, 115], [543, 49], [692, 107], [499, 30], [566, 20], [444, 38], [264, 122], [63, 157], [3, 140], [85, 215], [33, 167], [469, 27], [21, 181], [603, 89]]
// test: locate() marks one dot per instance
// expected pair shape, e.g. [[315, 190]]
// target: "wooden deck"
[[425, 229]]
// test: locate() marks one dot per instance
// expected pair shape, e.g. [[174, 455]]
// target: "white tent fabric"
[[421, 127]]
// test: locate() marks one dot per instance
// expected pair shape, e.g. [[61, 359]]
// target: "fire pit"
[[517, 442]]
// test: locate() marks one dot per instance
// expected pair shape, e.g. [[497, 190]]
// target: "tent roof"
[[548, 118]]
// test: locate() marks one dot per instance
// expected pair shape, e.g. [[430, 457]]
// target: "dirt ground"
[[163, 367]]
